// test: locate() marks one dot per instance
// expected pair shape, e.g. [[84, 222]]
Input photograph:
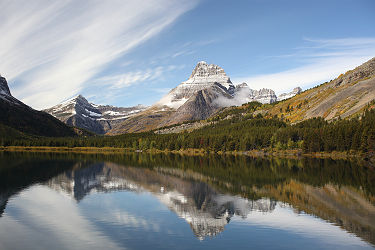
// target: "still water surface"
[[139, 201]]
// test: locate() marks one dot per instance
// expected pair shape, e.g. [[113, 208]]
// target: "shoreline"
[[292, 154]]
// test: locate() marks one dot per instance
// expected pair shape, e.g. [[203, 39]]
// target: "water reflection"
[[206, 210], [206, 193]]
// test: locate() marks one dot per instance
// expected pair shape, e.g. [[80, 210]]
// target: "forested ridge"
[[237, 132]]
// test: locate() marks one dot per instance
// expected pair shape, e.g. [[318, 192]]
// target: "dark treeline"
[[238, 133]]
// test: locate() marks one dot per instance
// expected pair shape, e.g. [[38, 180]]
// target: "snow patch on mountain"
[[92, 113]]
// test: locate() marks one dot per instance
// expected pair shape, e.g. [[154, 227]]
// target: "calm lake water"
[[141, 201]]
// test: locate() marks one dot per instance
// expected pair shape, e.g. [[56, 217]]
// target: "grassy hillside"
[[345, 97]]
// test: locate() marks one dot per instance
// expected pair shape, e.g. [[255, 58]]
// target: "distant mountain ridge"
[[245, 94], [78, 112]]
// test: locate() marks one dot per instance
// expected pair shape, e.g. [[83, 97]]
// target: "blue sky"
[[129, 52]]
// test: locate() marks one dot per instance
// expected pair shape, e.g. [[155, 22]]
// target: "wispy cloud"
[[116, 84], [121, 80], [51, 49], [320, 59]]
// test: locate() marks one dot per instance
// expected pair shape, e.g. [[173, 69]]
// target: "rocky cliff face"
[[95, 118], [264, 96], [294, 92]]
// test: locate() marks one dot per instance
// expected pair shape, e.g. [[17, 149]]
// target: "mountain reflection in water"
[[207, 192], [205, 209]]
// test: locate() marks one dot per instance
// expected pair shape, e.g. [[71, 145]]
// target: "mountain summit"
[[203, 76], [205, 73]]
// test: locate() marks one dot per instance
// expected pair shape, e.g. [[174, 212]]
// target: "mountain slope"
[[344, 97], [200, 106], [21, 117], [146, 120]]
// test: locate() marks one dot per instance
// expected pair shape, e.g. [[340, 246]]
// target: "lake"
[[160, 201]]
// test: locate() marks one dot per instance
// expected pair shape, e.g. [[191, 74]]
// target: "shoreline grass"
[[294, 154]]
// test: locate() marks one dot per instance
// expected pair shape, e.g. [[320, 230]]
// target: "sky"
[[129, 52]]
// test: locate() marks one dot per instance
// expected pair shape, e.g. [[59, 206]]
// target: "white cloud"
[[321, 60], [54, 48], [129, 78]]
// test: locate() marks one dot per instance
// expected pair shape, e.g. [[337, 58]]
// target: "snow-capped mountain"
[[205, 92], [203, 76], [294, 92], [78, 112]]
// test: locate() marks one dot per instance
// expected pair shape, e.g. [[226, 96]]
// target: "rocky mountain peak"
[[207, 70], [80, 99], [4, 89]]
